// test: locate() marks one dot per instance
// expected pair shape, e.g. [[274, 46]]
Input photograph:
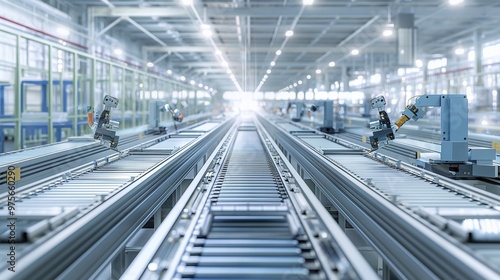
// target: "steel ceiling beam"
[[289, 11], [290, 49]]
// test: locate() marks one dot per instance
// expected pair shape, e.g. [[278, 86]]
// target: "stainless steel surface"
[[73, 225], [240, 222], [397, 207]]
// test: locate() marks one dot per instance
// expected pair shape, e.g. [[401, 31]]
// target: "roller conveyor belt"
[[255, 244], [247, 228], [461, 215], [79, 219]]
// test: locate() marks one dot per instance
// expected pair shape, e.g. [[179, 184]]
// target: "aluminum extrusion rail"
[[78, 232], [248, 215], [424, 225]]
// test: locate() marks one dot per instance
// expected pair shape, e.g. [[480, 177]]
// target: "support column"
[[17, 97], [157, 219], [478, 59], [326, 81], [345, 79], [406, 40], [118, 265], [91, 30], [50, 94], [75, 94]]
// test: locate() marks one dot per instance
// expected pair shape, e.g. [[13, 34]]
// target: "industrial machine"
[[383, 127], [158, 106], [456, 159], [103, 128], [330, 123]]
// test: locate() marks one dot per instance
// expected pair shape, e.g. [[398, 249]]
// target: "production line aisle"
[[248, 217], [424, 225]]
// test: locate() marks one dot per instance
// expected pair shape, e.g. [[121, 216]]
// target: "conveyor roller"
[[248, 244], [252, 220]]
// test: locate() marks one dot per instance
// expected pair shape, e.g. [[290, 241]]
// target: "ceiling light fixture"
[[206, 31], [419, 63], [459, 51], [278, 52], [169, 72], [289, 33], [308, 77], [318, 71], [331, 64], [455, 2], [268, 71], [187, 2], [355, 52], [150, 64], [272, 63], [307, 2], [389, 30]]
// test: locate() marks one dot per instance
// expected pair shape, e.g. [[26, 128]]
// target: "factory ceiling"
[[266, 45]]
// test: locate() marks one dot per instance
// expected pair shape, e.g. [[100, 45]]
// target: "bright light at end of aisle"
[[455, 2]]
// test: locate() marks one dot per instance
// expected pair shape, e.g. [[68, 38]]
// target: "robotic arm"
[[414, 110], [103, 128], [177, 116], [383, 127]]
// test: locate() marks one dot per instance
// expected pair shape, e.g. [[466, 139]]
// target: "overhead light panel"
[[272, 63], [278, 52], [192, 82], [299, 82], [318, 71], [387, 33], [419, 63], [150, 64], [187, 2], [268, 71], [307, 2], [289, 33], [388, 30], [355, 52], [459, 51], [182, 78], [308, 77], [206, 30], [118, 51], [169, 72], [331, 64], [455, 2]]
